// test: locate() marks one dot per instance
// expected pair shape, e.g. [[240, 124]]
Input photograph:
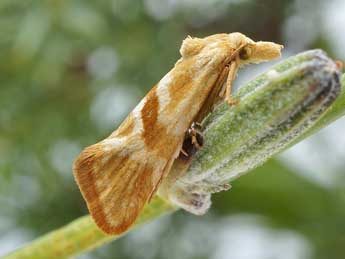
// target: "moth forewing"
[[118, 175]]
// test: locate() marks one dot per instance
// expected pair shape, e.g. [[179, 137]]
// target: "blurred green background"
[[70, 71]]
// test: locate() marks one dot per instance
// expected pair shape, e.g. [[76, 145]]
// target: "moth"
[[118, 175]]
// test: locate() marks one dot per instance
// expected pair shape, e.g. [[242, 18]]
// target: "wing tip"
[[83, 168], [83, 174], [82, 171]]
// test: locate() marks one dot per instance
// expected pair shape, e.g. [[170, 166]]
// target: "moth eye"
[[245, 53]]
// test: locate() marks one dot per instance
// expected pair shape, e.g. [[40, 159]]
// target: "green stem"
[[82, 235]]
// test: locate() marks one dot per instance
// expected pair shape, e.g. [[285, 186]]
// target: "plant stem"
[[83, 235]]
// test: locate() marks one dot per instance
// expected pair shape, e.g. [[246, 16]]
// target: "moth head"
[[234, 44], [257, 52], [250, 51]]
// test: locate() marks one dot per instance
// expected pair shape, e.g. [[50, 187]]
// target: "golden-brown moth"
[[119, 174]]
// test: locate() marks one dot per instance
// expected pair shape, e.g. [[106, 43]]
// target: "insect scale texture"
[[118, 175]]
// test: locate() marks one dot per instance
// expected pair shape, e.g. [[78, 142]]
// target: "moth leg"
[[184, 152], [231, 76], [196, 134], [194, 140], [232, 71]]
